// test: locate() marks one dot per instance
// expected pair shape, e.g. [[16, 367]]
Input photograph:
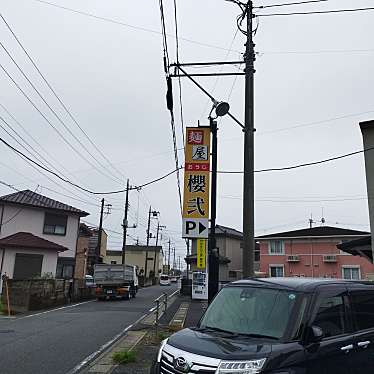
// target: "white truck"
[[115, 281]]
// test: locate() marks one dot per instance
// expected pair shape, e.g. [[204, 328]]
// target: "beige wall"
[[32, 221], [137, 258]]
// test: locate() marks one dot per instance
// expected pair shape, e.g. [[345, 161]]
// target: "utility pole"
[[169, 259], [99, 235], [174, 261], [159, 228], [249, 129], [125, 224], [213, 256], [148, 237]]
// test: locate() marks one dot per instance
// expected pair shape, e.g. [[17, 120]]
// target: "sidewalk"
[[144, 338]]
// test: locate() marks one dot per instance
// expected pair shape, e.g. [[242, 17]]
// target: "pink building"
[[312, 252]]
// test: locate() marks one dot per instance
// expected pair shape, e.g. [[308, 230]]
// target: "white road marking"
[[55, 310], [89, 358]]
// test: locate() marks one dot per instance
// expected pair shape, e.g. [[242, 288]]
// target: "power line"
[[287, 4], [179, 78], [57, 116], [302, 165], [57, 97], [106, 19], [316, 12], [76, 185]]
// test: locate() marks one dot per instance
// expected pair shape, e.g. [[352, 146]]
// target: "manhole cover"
[[6, 331]]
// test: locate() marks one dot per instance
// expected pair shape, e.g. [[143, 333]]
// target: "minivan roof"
[[295, 283]]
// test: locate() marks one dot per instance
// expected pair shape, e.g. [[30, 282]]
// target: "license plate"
[[109, 291]]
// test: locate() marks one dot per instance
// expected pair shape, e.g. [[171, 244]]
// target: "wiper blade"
[[249, 335], [212, 328]]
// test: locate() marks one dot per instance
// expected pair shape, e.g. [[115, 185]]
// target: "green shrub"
[[124, 357]]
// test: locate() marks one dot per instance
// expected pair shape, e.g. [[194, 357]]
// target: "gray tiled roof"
[[36, 200], [321, 231]]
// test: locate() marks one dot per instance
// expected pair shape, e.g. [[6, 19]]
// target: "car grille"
[[198, 364]]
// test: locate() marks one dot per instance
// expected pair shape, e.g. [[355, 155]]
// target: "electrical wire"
[[287, 4], [76, 185], [58, 118], [57, 96], [169, 99], [131, 26], [302, 165], [317, 12], [179, 78]]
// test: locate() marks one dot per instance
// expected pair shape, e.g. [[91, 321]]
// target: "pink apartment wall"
[[306, 249]]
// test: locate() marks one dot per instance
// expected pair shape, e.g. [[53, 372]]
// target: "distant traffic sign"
[[195, 228]]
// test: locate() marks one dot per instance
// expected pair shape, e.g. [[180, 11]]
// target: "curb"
[[119, 341]]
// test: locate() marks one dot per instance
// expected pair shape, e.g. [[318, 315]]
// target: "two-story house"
[[312, 252], [38, 235]]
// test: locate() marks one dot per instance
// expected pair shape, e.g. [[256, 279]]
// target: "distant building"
[[312, 252], [135, 255], [230, 246], [38, 235], [82, 251], [95, 254]]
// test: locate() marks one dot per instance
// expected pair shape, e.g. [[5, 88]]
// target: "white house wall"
[[32, 221], [48, 266]]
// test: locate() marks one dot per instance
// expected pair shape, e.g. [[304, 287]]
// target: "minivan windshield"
[[164, 277], [250, 311]]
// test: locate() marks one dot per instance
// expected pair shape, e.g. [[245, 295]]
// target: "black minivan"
[[278, 326]]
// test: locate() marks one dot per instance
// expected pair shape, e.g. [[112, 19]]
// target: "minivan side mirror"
[[315, 334]]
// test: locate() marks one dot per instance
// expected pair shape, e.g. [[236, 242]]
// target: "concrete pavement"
[[57, 341]]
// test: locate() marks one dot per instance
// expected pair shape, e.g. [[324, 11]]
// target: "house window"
[[276, 247], [232, 274], [276, 271], [351, 272], [55, 224]]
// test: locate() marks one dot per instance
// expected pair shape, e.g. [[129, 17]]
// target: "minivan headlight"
[[241, 367], [163, 343]]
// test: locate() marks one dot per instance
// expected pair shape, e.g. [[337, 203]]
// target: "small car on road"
[[278, 326], [164, 280]]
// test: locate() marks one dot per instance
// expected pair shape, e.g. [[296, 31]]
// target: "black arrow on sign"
[[201, 228]]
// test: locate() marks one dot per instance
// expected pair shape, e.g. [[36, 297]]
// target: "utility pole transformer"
[[249, 129], [125, 224]]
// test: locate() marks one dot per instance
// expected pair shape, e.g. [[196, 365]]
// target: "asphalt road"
[[56, 341]]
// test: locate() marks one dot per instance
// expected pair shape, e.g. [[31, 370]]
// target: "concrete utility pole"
[[148, 237], [249, 129], [125, 224], [159, 228], [174, 261], [99, 235], [169, 259]]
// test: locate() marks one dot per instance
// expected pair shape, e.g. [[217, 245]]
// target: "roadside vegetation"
[[124, 357]]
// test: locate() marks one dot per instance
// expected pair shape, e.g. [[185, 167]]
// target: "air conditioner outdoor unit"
[[293, 258], [329, 258]]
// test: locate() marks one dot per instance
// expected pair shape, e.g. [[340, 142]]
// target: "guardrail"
[[162, 301]]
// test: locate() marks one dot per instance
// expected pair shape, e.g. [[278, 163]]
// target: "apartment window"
[[276, 247], [55, 224], [351, 272], [276, 271]]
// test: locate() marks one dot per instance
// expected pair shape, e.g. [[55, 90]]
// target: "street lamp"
[[221, 109]]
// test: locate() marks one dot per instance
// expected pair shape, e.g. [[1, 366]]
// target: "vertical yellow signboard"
[[201, 253], [196, 183]]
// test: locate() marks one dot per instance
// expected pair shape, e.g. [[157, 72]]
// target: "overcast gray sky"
[[313, 86]]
